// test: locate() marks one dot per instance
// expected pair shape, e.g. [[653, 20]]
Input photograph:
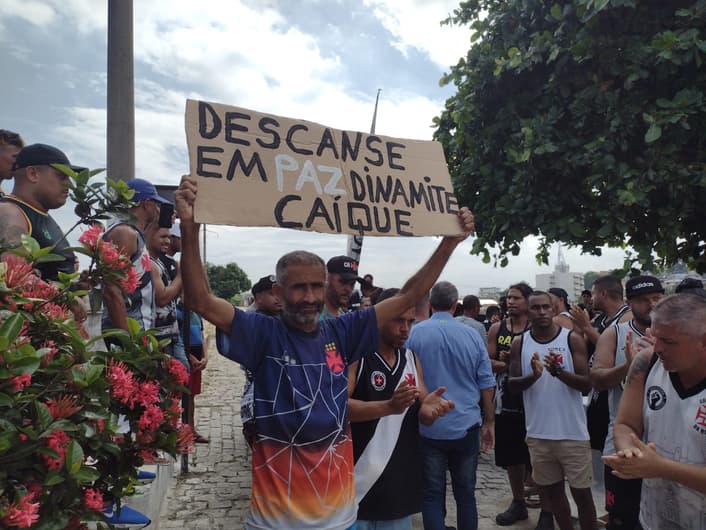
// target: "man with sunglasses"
[[39, 186]]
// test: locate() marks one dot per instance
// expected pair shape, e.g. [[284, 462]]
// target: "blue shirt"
[[452, 355], [303, 455]]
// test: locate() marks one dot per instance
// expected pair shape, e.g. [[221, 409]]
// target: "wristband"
[[556, 370]]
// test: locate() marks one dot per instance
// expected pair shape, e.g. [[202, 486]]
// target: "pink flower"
[[178, 372], [110, 255], [148, 393], [57, 441], [130, 282], [91, 236], [122, 383], [99, 425], [93, 499], [55, 311], [174, 413], [185, 439], [22, 514], [49, 345], [20, 382], [17, 271], [151, 419], [63, 407]]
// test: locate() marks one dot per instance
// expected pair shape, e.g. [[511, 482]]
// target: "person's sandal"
[[532, 499]]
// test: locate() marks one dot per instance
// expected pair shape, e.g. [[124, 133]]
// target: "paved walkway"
[[215, 493]]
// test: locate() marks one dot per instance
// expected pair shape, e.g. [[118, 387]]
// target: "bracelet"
[[556, 371]]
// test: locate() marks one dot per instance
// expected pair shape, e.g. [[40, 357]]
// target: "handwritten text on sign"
[[258, 169]]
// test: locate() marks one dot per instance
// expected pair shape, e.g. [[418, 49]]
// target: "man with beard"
[[340, 281], [610, 367], [386, 400], [660, 430], [549, 364], [302, 459]]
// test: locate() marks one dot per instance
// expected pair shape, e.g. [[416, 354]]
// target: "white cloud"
[[418, 25]]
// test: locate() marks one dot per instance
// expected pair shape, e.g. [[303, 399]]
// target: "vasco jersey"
[[675, 421], [614, 394], [140, 303], [302, 461], [388, 471], [506, 401]]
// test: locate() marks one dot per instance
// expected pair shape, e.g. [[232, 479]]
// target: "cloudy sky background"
[[319, 60]]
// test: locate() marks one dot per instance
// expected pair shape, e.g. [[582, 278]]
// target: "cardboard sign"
[[257, 169]]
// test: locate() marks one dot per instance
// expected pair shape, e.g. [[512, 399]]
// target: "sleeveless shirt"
[[388, 471], [506, 401], [42, 227], [553, 410], [140, 303], [614, 394], [675, 421]]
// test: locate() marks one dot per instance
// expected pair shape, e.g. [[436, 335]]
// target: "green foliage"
[[227, 280], [582, 121]]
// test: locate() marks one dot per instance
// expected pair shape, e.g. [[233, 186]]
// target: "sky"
[[318, 60]]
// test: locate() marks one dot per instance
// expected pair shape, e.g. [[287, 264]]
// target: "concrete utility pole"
[[121, 92]]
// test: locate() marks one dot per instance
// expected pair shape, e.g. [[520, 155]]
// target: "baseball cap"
[[42, 155], [175, 230], [345, 266], [263, 284], [145, 191], [642, 285]]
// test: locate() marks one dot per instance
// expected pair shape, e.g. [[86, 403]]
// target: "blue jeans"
[[404, 523], [460, 457]]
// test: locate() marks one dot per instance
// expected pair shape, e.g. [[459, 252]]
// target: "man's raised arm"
[[423, 280], [197, 295]]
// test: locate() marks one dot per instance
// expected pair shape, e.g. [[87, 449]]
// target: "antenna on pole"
[[355, 242]]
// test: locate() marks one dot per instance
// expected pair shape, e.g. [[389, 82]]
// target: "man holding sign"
[[302, 462]]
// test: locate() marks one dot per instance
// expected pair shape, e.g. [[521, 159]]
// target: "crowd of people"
[[358, 403]]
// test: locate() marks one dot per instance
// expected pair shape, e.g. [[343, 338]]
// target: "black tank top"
[[44, 229], [509, 402]]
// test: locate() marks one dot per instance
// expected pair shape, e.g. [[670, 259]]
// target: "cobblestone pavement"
[[215, 493]]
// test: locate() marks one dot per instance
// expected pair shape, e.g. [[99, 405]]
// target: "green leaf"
[[29, 243], [86, 475], [576, 229], [74, 457], [5, 400], [653, 133], [556, 11], [12, 327], [43, 416], [53, 478]]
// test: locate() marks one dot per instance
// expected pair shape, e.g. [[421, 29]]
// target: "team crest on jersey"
[[656, 398], [700, 418], [378, 380], [333, 359], [410, 379]]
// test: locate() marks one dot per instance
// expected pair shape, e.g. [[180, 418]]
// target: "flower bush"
[[76, 424]]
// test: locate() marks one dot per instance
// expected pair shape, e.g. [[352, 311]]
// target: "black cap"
[[263, 284], [42, 155], [642, 285], [345, 266]]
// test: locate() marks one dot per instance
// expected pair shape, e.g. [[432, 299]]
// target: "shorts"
[[622, 499], [510, 446], [552, 460], [598, 419]]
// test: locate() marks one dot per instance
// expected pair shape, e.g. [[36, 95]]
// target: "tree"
[[582, 121], [227, 280]]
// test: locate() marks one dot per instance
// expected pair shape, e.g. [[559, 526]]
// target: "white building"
[[571, 282], [489, 292]]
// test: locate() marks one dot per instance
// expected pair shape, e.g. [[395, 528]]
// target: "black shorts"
[[622, 499], [510, 445], [598, 419]]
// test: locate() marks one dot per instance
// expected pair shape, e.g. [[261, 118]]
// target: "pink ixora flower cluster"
[[58, 441], [21, 514], [112, 263]]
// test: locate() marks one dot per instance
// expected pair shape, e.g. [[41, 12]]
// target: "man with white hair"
[[660, 431]]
